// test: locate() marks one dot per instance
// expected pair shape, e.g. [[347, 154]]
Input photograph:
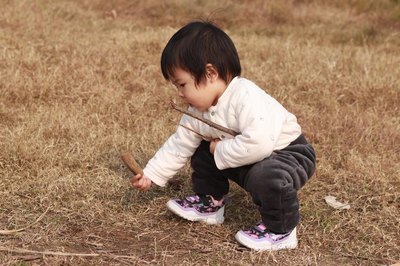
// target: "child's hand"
[[141, 182], [213, 144]]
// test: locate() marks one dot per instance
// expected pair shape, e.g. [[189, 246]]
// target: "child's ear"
[[211, 72]]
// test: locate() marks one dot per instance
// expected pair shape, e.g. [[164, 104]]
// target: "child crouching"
[[270, 158]]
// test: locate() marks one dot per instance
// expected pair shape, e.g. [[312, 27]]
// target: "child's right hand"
[[141, 182], [213, 144]]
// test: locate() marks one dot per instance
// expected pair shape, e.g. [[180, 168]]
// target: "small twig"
[[194, 131], [29, 257], [206, 121], [9, 232], [53, 253]]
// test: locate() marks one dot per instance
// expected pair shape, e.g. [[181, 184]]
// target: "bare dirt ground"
[[80, 82]]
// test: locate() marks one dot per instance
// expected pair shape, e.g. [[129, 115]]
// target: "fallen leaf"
[[331, 200]]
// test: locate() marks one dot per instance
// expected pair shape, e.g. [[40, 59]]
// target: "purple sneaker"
[[260, 238], [199, 208]]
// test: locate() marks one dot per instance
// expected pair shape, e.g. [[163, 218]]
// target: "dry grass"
[[80, 82]]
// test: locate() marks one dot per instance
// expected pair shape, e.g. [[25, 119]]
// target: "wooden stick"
[[130, 162], [135, 168], [206, 121]]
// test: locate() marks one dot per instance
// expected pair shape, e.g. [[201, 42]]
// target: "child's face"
[[200, 96]]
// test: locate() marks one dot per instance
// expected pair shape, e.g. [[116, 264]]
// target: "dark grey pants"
[[272, 182]]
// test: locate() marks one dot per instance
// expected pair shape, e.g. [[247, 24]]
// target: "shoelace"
[[260, 230]]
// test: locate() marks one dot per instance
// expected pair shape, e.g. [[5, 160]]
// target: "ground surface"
[[80, 83]]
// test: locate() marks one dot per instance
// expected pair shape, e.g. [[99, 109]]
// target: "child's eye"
[[182, 85]]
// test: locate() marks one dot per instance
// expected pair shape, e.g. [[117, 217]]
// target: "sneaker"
[[199, 208], [260, 238]]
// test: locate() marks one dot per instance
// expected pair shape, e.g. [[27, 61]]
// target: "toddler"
[[270, 158]]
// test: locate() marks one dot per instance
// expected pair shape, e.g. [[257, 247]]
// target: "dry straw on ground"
[[80, 82]]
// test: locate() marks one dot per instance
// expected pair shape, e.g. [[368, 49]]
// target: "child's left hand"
[[213, 144]]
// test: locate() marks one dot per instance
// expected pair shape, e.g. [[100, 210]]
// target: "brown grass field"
[[80, 82]]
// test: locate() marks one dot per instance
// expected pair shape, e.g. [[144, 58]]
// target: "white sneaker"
[[199, 208], [259, 238]]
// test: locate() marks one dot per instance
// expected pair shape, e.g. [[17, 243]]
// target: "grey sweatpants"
[[272, 183]]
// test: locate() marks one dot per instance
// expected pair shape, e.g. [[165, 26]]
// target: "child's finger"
[[135, 179], [143, 184]]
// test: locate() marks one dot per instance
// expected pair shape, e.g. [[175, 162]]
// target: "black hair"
[[197, 44]]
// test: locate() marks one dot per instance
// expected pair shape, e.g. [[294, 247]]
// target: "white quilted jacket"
[[264, 126]]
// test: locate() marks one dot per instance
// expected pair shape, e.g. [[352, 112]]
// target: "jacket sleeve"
[[260, 119], [174, 153]]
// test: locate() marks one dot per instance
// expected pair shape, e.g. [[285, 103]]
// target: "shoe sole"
[[194, 216]]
